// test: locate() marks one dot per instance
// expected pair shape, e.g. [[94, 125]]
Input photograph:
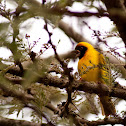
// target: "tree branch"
[[76, 85], [111, 121], [79, 85], [69, 31], [24, 98], [12, 122]]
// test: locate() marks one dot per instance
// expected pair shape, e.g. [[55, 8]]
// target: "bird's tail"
[[107, 106]]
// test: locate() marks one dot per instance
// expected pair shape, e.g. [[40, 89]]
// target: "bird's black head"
[[82, 50]]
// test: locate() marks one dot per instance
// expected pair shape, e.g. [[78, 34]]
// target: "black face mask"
[[82, 50]]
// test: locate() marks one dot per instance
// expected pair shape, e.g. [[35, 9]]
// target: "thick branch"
[[77, 85], [101, 89], [85, 86], [24, 98], [18, 94], [81, 86], [103, 122], [12, 122], [58, 11], [69, 31]]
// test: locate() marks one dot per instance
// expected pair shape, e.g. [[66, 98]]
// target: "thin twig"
[[67, 71]]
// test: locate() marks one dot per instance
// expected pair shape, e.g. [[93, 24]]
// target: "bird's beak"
[[73, 54], [77, 53]]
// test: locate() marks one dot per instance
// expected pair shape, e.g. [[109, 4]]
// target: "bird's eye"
[[81, 48]]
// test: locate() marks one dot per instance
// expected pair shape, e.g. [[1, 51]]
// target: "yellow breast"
[[91, 67]]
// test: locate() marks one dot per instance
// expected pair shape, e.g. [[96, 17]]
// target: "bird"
[[92, 68]]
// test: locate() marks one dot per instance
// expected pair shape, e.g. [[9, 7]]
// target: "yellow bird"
[[91, 67]]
